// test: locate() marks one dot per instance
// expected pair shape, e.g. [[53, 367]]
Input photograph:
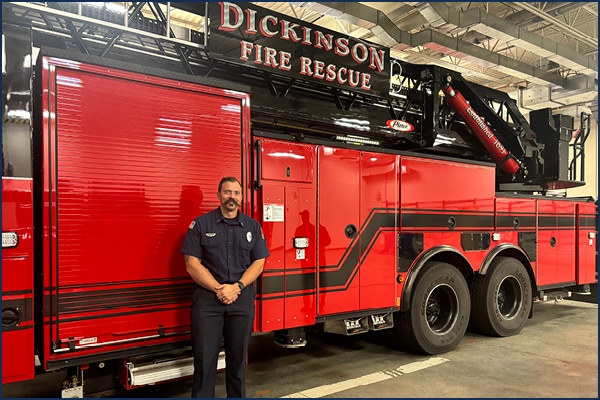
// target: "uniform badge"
[[249, 236], [211, 234], [192, 224]]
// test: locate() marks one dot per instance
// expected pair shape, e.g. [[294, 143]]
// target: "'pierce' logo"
[[400, 125]]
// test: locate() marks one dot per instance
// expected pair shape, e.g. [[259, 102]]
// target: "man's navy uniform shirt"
[[226, 247]]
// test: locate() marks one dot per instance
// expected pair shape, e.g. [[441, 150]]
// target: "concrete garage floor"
[[556, 355]]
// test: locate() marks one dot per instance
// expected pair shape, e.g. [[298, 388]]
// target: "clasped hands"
[[227, 293]]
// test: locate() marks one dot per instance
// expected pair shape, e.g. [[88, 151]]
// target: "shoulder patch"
[[192, 224], [262, 234]]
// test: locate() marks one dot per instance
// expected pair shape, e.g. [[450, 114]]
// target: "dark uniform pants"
[[212, 321]]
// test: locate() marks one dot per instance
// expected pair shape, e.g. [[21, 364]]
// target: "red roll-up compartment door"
[[130, 161]]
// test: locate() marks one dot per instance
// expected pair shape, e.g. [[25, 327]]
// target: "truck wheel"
[[501, 298], [439, 310]]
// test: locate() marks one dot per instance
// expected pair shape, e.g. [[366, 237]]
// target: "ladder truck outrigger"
[[393, 195]]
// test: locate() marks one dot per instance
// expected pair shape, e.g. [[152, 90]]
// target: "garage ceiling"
[[544, 54]]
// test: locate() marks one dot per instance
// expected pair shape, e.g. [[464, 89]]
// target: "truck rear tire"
[[439, 310], [501, 299]]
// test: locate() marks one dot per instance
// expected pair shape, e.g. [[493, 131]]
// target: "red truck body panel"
[[287, 293], [384, 195], [586, 242], [17, 281], [352, 194], [556, 242]]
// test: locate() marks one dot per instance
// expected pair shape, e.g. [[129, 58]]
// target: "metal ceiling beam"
[[485, 58], [392, 36], [490, 25], [584, 90], [565, 28], [581, 89], [590, 10], [525, 18]]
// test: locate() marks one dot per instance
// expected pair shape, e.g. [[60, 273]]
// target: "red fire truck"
[[393, 195]]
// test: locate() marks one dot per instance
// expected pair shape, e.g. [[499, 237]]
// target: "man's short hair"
[[231, 179]]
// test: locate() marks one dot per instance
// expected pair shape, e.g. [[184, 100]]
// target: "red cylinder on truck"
[[481, 130]]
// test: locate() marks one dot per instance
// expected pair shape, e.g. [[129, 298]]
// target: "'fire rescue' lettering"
[[235, 18]]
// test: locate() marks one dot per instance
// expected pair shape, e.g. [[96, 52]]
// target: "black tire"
[[439, 311], [501, 299]]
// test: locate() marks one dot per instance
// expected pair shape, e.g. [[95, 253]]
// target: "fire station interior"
[[524, 67]]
